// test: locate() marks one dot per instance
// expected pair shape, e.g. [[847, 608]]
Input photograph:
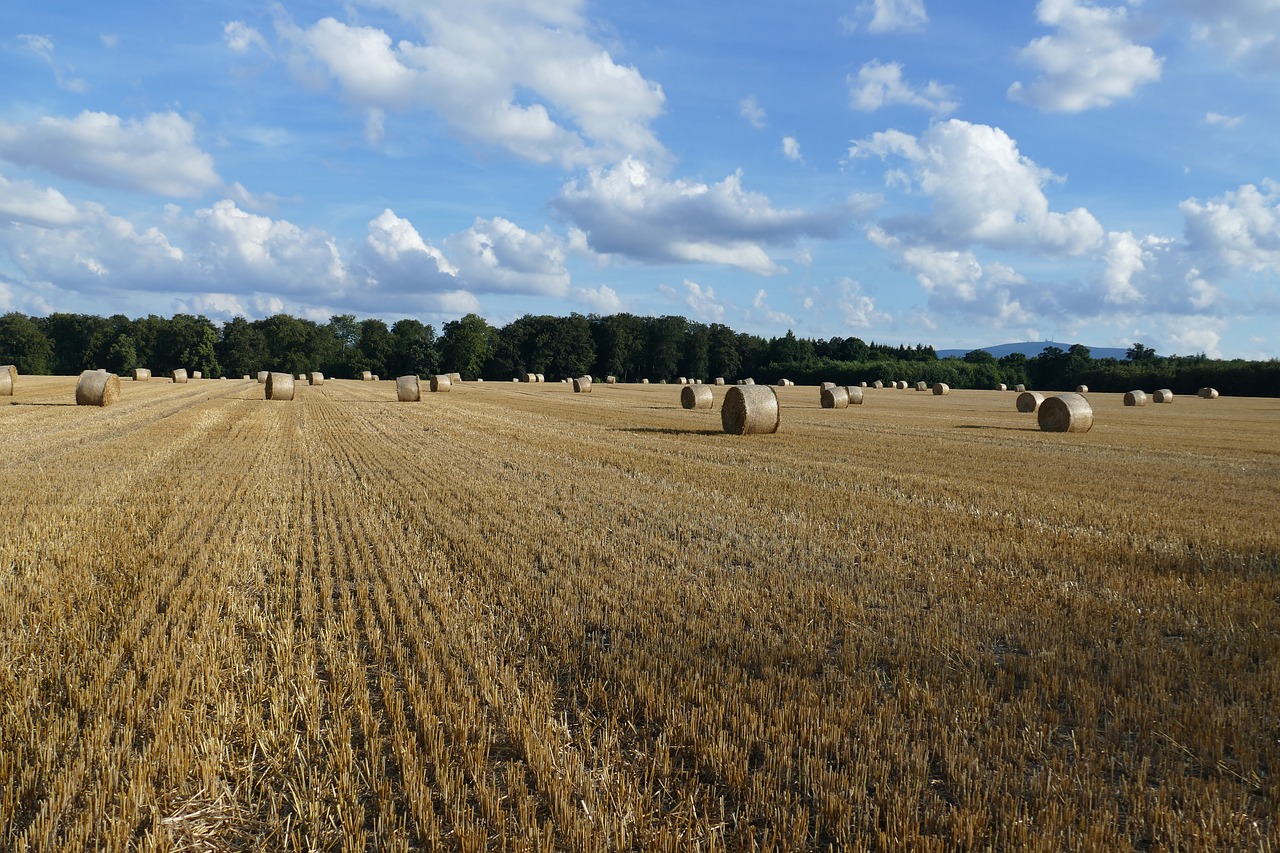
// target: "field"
[[511, 617]]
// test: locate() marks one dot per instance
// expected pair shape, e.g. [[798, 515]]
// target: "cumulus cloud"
[[791, 149], [1241, 228], [702, 302], [1089, 62], [628, 210], [887, 16], [156, 154], [983, 190], [24, 201], [498, 256], [240, 37], [752, 112], [397, 259], [526, 77], [1243, 30], [599, 300], [880, 84]]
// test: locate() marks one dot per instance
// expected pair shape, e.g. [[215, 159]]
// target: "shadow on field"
[[670, 431], [32, 403], [989, 426]]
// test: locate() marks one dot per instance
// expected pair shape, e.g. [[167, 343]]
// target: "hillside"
[[1031, 349]]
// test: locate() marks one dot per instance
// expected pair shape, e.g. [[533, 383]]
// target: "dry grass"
[[229, 625]]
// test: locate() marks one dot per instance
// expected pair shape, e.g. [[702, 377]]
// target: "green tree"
[[243, 349], [466, 345], [24, 344], [723, 358], [1140, 354], [413, 349], [376, 347]]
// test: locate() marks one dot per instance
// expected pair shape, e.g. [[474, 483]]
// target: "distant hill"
[[1031, 349]]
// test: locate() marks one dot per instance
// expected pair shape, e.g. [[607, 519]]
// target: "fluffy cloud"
[[879, 85], [791, 149], [599, 300], [498, 256], [1244, 30], [527, 77], [23, 201], [702, 302], [752, 112], [1090, 62], [983, 190], [888, 16], [399, 260], [1241, 228], [240, 37], [628, 210], [157, 154]]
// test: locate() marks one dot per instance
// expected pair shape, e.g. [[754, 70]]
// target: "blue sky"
[[900, 170]]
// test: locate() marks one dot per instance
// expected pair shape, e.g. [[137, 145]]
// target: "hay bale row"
[[835, 397], [1065, 413], [180, 376], [1164, 395], [1135, 398], [440, 383], [785, 383], [940, 388], [697, 397], [409, 390], [141, 374], [1029, 401], [97, 388], [750, 410], [279, 386], [1208, 393], [582, 385]]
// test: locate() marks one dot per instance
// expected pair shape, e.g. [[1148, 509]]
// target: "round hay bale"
[[180, 375], [1082, 389], [862, 384], [582, 385], [1135, 398], [940, 388], [922, 386], [542, 377], [1019, 388], [455, 378], [366, 376], [834, 397], [1164, 395], [1065, 413], [750, 410], [195, 374], [611, 380], [315, 378], [408, 390], [785, 383], [531, 378], [279, 386], [684, 381], [141, 374], [1029, 401], [439, 382], [854, 393], [6, 383], [877, 384], [719, 380], [696, 397], [748, 381], [825, 385], [644, 381], [301, 377], [97, 388], [11, 370], [1208, 393], [262, 376], [1002, 387], [247, 378]]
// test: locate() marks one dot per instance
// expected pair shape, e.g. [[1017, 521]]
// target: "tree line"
[[627, 346]]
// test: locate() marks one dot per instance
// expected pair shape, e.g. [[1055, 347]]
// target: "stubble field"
[[514, 618]]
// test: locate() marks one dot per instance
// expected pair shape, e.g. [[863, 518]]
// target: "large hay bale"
[[835, 397], [1135, 398], [1208, 393], [922, 386], [697, 397], [940, 388], [408, 389], [6, 382], [263, 376], [315, 378], [180, 375], [440, 382], [582, 385], [97, 388], [1065, 413], [825, 385], [279, 386], [854, 393], [750, 410], [141, 374], [1164, 395], [1082, 389], [1029, 401]]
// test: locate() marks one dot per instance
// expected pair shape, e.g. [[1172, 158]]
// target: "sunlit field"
[[511, 617]]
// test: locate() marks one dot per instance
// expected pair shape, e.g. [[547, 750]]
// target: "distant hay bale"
[[315, 378], [719, 380], [279, 386], [1164, 395], [455, 378], [247, 377], [684, 381], [263, 375], [877, 384], [922, 386], [542, 377], [901, 385], [180, 375], [531, 378], [141, 374], [6, 381], [1029, 401], [611, 380], [1019, 388], [1065, 413], [582, 385], [834, 397], [1082, 389], [697, 397], [11, 370], [1002, 387], [785, 383], [644, 381], [408, 390], [862, 384], [750, 410], [97, 388], [940, 388], [1208, 393], [854, 393], [748, 381], [301, 377], [1135, 398], [366, 376], [195, 374], [440, 382], [375, 378], [825, 385]]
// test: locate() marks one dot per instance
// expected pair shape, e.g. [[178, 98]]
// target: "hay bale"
[[440, 382], [12, 371], [1029, 401], [696, 397], [1002, 387], [515, 378], [644, 381], [6, 382], [1065, 413], [1135, 398], [825, 385], [1208, 393], [1020, 388], [279, 386], [141, 374], [877, 384], [195, 374], [1164, 395], [582, 385], [97, 388], [684, 381], [1082, 389], [542, 377], [408, 390], [854, 393], [455, 378], [785, 383], [748, 381], [366, 376], [263, 375], [834, 397], [922, 386], [611, 380], [180, 375], [750, 410], [531, 378], [940, 388], [315, 378], [247, 378], [719, 380], [301, 377], [862, 384]]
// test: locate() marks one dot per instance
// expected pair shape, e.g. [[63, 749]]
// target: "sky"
[[905, 171]]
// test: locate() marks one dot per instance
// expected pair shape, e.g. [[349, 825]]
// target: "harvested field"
[[232, 624]]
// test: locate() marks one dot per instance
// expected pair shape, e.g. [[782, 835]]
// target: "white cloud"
[[157, 154], [763, 311], [42, 46], [702, 303], [982, 188], [399, 260], [1241, 228], [528, 77], [1230, 122], [599, 300], [23, 201], [498, 256], [240, 37], [791, 149], [879, 84], [1090, 62], [752, 112], [1243, 30], [628, 210], [888, 16], [265, 254], [845, 301]]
